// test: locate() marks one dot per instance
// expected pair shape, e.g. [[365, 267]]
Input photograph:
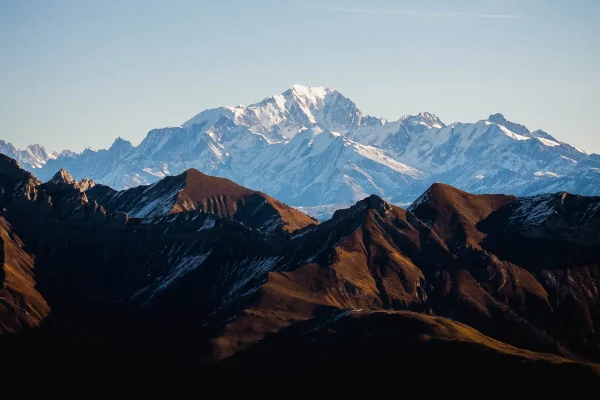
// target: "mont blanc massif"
[[312, 147], [296, 248]]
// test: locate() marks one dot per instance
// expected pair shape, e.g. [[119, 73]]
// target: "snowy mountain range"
[[34, 156], [313, 148]]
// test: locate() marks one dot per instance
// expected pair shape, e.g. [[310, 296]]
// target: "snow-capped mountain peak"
[[280, 117], [38, 153], [311, 94], [425, 119], [312, 146], [34, 156], [121, 144], [519, 129]]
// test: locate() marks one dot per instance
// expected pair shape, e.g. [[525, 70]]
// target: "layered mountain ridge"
[[194, 190], [498, 284], [313, 148]]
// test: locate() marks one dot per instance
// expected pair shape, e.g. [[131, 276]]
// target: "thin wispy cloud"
[[395, 12]]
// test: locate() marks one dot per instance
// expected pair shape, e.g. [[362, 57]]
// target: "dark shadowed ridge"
[[377, 295]]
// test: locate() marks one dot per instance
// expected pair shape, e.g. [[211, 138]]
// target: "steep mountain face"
[[325, 167], [21, 305], [312, 147], [506, 284]]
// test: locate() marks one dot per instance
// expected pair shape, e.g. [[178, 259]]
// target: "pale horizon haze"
[[80, 74]]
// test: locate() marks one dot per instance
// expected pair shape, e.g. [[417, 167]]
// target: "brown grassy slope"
[[394, 261], [374, 354], [21, 305], [225, 198], [454, 214], [366, 271]]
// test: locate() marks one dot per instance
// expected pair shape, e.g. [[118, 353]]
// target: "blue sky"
[[79, 74]]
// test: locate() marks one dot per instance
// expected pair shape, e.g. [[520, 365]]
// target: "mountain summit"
[[278, 118], [62, 176], [312, 147]]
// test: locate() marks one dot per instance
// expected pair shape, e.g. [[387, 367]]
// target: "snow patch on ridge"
[[540, 174], [548, 142], [157, 207], [508, 132], [379, 156], [209, 223], [252, 268], [184, 266], [533, 211]]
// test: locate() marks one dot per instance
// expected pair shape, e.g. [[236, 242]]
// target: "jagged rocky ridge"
[[313, 148], [510, 282]]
